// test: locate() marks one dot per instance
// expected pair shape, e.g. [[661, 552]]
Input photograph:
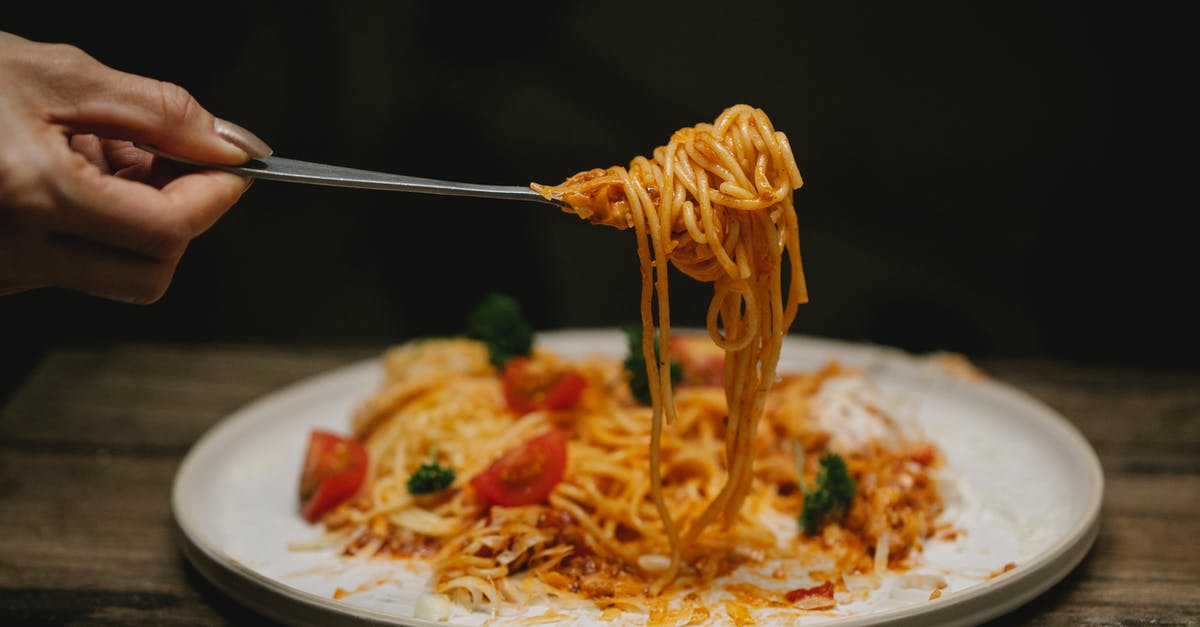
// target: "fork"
[[292, 171]]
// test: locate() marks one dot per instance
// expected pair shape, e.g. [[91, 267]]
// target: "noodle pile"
[[599, 536], [633, 515]]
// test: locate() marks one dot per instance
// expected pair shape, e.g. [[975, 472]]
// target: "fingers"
[[95, 214], [30, 258], [107, 272], [92, 149], [115, 156], [203, 197], [128, 161], [123, 156], [89, 97], [111, 237], [139, 218]]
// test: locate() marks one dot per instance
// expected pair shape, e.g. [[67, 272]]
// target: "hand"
[[81, 207]]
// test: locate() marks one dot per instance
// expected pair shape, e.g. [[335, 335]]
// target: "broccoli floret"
[[431, 476], [635, 364], [832, 497], [497, 321]]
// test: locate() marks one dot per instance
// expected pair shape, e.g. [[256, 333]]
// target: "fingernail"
[[245, 140]]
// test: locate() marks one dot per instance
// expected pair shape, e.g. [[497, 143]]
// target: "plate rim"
[[974, 605]]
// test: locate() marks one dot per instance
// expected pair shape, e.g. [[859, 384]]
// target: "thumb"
[[119, 105]]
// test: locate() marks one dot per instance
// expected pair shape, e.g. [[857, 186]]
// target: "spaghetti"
[[716, 201], [599, 535]]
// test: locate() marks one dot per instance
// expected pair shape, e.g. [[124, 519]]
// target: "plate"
[[1028, 489]]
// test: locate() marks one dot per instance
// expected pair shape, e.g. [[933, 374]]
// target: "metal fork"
[[293, 171]]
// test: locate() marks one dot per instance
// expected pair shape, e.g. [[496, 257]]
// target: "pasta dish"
[[693, 465]]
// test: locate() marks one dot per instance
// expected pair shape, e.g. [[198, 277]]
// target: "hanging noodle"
[[716, 201]]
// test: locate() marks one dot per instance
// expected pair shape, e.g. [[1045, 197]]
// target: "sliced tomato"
[[824, 590], [703, 361], [334, 469], [525, 475], [529, 386], [565, 391]]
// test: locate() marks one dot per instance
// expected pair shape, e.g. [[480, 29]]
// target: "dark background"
[[994, 178]]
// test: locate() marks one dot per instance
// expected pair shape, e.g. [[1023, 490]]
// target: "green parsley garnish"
[[635, 364], [497, 321], [430, 477], [832, 497]]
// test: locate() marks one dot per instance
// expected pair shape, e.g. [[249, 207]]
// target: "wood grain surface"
[[89, 445]]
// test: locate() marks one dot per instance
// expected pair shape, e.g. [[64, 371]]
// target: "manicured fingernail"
[[243, 139]]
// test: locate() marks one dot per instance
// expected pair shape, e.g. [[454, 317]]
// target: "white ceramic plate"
[[1028, 491]]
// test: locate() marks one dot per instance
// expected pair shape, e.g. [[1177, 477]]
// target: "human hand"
[[81, 206]]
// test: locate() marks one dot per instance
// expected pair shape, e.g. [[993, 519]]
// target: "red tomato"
[[333, 471], [526, 474], [528, 387], [823, 590], [703, 362], [565, 392]]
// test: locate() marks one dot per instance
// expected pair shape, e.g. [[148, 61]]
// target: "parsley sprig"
[[431, 476], [831, 498], [498, 321]]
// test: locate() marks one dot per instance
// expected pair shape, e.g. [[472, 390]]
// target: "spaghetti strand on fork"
[[716, 202]]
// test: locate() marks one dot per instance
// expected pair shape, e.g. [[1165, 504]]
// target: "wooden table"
[[91, 441]]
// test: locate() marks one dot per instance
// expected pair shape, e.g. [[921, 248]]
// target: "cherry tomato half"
[[526, 474], [529, 387], [334, 469]]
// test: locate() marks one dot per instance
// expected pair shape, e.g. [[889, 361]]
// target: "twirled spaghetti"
[[716, 201]]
